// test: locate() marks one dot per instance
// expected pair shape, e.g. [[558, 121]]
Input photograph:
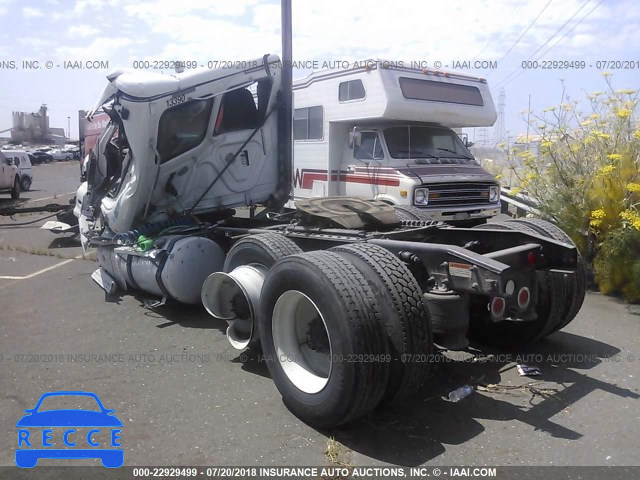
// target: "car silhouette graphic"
[[68, 419]]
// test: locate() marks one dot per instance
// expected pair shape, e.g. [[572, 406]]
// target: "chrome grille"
[[458, 194]]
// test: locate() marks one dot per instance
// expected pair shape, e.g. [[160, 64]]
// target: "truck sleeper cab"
[[385, 132]]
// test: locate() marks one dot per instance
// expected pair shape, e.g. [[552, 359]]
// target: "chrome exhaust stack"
[[235, 298]]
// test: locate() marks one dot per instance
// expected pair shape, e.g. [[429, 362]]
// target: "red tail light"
[[524, 297], [498, 306]]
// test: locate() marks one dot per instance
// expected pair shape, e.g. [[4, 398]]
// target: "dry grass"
[[338, 456]]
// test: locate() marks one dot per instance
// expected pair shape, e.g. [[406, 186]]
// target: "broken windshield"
[[425, 142]]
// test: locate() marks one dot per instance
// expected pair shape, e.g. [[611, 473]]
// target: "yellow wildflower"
[[633, 187], [599, 134], [626, 91], [614, 156], [549, 109], [607, 74], [595, 223], [637, 134], [546, 144], [606, 170], [632, 217], [623, 113], [598, 214]]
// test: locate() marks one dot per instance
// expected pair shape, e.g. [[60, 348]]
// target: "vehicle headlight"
[[421, 196], [494, 194]]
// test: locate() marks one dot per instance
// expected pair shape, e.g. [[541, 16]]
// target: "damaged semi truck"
[[347, 297]]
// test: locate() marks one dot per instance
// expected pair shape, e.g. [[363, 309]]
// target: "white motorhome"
[[384, 131]]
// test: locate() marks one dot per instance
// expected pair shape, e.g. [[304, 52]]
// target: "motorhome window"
[[183, 128], [308, 123], [416, 89], [351, 90], [425, 142], [370, 147]]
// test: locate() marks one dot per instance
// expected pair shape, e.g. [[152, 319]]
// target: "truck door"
[[193, 153], [362, 176], [238, 116]]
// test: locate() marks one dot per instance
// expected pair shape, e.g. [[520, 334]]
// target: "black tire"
[[25, 183], [67, 158], [551, 304], [347, 308], [406, 212], [265, 249], [15, 190], [575, 285], [408, 326]]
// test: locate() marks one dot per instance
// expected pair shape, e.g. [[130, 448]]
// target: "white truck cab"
[[171, 140], [386, 132]]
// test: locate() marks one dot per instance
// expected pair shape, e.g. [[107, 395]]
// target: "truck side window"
[[308, 123], [370, 147], [183, 128], [351, 90], [238, 111]]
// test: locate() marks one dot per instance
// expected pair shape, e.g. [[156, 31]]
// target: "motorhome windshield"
[[424, 142]]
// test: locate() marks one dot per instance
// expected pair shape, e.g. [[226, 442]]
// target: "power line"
[[548, 40], [525, 32], [505, 81], [493, 38]]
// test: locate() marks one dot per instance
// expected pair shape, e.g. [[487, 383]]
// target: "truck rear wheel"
[[323, 339], [576, 284], [551, 302], [264, 249], [402, 308], [15, 191]]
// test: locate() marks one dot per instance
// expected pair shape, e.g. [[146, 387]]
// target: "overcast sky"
[[122, 31]]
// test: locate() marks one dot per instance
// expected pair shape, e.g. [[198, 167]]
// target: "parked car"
[[73, 151], [61, 155], [38, 157], [9, 177], [23, 162]]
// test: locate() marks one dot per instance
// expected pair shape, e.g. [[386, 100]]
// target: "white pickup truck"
[[385, 132], [9, 177]]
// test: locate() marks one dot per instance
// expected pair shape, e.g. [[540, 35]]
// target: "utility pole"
[[499, 128], [528, 116]]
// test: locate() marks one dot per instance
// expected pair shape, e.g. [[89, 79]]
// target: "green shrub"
[[586, 176], [617, 265]]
